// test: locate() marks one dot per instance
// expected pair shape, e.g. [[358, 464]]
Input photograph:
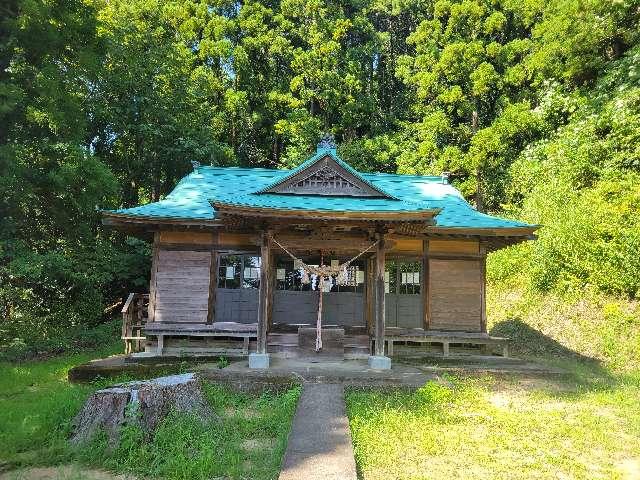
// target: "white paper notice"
[[280, 273], [359, 276], [230, 273], [334, 263]]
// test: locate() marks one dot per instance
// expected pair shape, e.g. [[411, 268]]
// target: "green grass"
[[37, 405], [481, 428]]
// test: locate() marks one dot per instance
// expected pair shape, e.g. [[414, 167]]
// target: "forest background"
[[532, 105]]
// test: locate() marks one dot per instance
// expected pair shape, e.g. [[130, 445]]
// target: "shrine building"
[[319, 261]]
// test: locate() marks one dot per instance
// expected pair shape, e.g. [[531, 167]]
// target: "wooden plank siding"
[[182, 286], [454, 247], [152, 282], [455, 295]]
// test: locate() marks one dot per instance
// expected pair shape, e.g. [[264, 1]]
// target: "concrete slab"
[[319, 445], [377, 362], [287, 371], [312, 370], [258, 360]]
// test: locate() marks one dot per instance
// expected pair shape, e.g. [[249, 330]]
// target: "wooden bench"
[[445, 338], [245, 332]]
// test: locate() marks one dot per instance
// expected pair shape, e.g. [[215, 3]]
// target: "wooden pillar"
[[263, 294], [370, 295], [151, 315], [483, 288], [426, 311], [379, 308], [213, 286]]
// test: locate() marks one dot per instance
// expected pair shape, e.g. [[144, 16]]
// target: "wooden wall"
[[456, 285], [455, 295], [183, 275], [180, 287], [184, 266]]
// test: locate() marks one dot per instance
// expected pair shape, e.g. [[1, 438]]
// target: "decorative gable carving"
[[325, 177], [324, 181]]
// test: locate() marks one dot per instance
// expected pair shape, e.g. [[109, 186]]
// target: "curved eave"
[[527, 231], [225, 208], [115, 219]]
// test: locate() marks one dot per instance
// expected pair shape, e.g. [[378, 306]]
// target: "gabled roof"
[[326, 159], [193, 197]]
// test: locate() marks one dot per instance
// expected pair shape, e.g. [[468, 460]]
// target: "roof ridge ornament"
[[327, 142]]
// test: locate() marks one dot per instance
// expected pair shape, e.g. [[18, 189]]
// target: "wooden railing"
[[135, 315]]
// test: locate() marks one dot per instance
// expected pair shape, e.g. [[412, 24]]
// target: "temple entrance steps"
[[335, 344], [356, 347], [283, 345], [332, 342]]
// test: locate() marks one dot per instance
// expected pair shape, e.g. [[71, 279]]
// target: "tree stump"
[[145, 403]]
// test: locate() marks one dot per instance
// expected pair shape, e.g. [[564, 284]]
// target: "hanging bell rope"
[[321, 272]]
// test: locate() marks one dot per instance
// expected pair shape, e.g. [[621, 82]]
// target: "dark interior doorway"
[[403, 288], [296, 303]]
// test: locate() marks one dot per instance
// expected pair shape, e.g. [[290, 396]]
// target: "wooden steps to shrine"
[[284, 345], [334, 343]]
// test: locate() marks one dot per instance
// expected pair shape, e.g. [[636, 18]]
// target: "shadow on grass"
[[527, 342]]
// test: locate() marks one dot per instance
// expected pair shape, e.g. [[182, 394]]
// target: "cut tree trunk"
[[145, 403]]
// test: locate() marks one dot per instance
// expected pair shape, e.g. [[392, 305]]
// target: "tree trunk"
[[145, 403], [479, 197]]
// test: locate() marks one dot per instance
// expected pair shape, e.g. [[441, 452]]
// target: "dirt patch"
[[253, 444], [630, 469], [65, 472]]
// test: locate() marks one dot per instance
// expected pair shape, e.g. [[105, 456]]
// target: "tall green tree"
[[466, 71]]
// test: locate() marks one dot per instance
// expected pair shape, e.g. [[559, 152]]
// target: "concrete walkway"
[[319, 445]]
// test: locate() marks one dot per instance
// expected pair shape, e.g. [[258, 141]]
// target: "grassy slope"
[[586, 325], [37, 404]]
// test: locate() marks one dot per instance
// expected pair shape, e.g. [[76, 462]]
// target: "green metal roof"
[[190, 199]]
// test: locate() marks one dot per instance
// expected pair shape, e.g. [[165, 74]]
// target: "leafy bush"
[[53, 299], [583, 186]]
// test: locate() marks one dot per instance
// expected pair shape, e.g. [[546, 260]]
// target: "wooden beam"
[[483, 288], [263, 294], [224, 209], [213, 286], [379, 309], [426, 310], [152, 281]]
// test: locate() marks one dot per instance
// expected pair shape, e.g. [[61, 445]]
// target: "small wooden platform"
[[245, 332], [444, 338]]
